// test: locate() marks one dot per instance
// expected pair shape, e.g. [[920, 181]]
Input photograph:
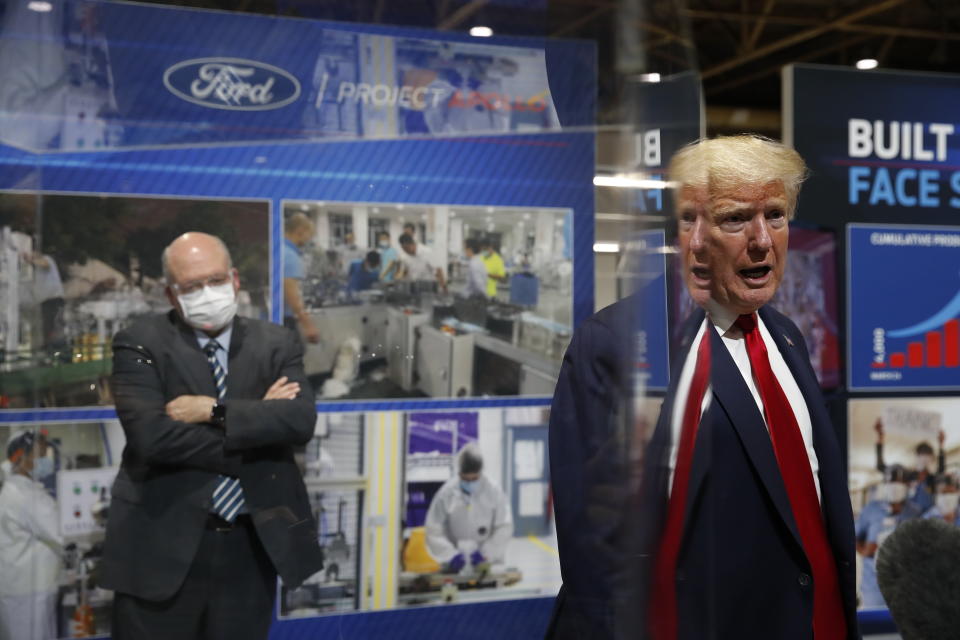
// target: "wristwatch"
[[218, 415]]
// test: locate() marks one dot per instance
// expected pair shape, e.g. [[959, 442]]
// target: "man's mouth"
[[756, 273], [700, 273]]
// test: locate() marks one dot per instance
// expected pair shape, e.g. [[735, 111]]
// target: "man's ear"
[[171, 298]]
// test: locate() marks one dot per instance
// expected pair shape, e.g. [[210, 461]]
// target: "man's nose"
[[760, 233], [698, 234]]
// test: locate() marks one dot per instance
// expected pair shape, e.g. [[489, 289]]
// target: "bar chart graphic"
[[903, 307], [937, 349]]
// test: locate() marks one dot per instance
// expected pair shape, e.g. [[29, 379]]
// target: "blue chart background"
[[894, 287]]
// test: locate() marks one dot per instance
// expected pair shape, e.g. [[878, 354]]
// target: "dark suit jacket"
[[741, 572], [162, 494]]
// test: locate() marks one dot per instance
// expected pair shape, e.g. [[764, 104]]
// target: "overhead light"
[[481, 32], [867, 63], [625, 181], [40, 5], [649, 77], [606, 247]]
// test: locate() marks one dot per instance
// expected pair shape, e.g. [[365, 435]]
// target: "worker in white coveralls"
[[469, 518]]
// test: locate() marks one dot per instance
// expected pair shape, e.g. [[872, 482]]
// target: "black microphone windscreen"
[[918, 570]]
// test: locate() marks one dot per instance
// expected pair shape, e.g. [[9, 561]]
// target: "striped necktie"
[[228, 496]]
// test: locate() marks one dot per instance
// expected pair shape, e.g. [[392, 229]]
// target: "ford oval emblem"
[[231, 83]]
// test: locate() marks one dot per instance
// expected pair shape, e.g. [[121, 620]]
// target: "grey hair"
[[727, 161], [165, 256]]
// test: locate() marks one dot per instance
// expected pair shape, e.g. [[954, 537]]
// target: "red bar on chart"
[[914, 354], [951, 343], [897, 360], [934, 349]]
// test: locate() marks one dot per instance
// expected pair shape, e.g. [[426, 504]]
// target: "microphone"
[[918, 570]]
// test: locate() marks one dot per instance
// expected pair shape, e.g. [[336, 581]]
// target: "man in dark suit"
[[208, 506], [741, 525]]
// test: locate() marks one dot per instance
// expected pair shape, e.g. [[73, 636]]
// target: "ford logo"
[[231, 83]]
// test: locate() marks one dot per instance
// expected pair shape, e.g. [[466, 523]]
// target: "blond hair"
[[728, 161]]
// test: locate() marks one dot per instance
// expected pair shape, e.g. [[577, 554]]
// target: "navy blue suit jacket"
[[741, 572]]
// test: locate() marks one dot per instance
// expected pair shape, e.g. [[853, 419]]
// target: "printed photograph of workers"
[[437, 301], [75, 269], [904, 465]]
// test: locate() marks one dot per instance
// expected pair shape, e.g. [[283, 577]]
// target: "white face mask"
[[947, 502], [923, 462], [42, 468], [892, 492], [211, 308]]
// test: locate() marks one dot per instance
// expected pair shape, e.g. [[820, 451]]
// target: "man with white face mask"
[[30, 543], [878, 519], [947, 499], [208, 506]]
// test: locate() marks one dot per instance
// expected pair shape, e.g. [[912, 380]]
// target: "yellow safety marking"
[[378, 554], [393, 516], [543, 545]]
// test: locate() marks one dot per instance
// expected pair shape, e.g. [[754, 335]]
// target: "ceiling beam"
[[774, 68], [459, 16], [803, 36], [875, 29], [582, 21], [751, 42]]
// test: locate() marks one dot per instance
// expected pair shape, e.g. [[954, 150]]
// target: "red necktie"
[[663, 605], [829, 621]]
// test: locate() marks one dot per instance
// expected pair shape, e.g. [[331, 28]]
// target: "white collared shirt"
[[723, 322]]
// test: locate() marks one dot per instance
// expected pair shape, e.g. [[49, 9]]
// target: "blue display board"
[[903, 307], [151, 104], [653, 357]]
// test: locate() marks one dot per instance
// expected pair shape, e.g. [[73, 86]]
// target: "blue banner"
[[92, 75]]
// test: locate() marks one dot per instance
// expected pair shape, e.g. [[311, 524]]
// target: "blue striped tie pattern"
[[228, 496]]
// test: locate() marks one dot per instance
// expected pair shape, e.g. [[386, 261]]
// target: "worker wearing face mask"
[[30, 542], [921, 490], [946, 500], [889, 508], [388, 257], [468, 512]]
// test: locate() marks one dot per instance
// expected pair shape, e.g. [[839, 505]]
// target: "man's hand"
[[310, 332], [282, 390], [194, 409]]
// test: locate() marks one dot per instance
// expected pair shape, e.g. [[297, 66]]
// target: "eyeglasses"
[[216, 280]]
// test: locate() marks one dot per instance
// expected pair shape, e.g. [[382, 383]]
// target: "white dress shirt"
[[723, 322]]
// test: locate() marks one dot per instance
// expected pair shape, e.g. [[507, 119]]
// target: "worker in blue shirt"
[[364, 273]]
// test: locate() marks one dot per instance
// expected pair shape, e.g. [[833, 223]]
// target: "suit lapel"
[[192, 362], [659, 449], [824, 440], [732, 394], [239, 372]]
